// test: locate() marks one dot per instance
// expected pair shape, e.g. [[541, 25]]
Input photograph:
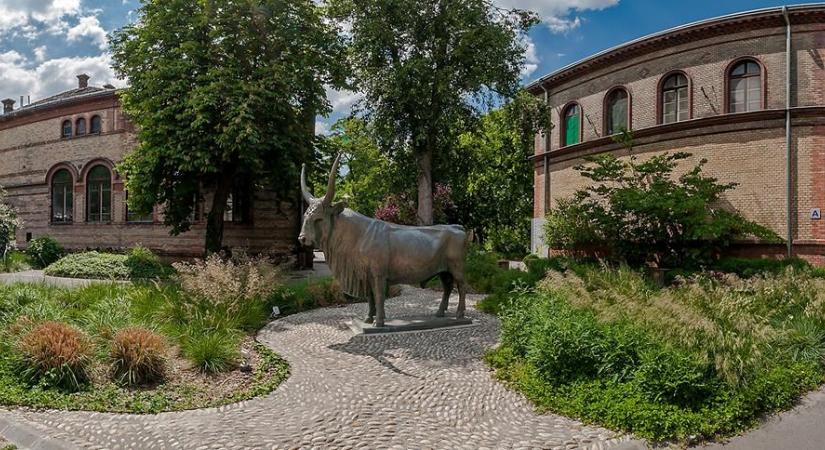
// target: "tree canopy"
[[486, 180], [222, 92], [427, 68]]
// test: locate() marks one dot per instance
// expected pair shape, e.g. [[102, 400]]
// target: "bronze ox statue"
[[367, 255]]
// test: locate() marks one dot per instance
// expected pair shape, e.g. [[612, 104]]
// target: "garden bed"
[[149, 347], [703, 358]]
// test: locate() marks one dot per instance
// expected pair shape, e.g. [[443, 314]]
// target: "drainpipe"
[[546, 157], [788, 166], [547, 141]]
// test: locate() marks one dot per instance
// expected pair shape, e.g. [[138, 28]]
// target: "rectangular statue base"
[[420, 323]]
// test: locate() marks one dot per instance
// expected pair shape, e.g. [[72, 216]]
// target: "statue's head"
[[321, 211]]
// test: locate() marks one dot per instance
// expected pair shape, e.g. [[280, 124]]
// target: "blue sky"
[[45, 43]]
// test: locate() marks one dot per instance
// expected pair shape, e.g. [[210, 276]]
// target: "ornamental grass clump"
[[138, 356], [704, 357], [57, 355], [229, 283]]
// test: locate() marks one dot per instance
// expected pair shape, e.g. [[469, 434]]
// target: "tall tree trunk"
[[214, 220], [424, 159]]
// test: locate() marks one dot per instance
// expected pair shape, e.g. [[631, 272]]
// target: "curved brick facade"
[[32, 149], [748, 148]]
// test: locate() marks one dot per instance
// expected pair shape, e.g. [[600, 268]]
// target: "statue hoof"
[[369, 320], [379, 325], [459, 315], [440, 313]]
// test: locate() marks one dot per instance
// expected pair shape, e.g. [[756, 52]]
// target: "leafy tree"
[[427, 68], [492, 177], [222, 92], [487, 179], [639, 211]]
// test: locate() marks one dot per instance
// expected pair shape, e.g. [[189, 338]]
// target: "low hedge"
[[138, 263]]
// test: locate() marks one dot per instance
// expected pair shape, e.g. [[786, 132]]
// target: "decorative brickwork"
[[745, 148], [32, 149]]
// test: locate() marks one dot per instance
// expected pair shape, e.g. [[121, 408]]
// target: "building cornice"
[[692, 32], [701, 126], [65, 107]]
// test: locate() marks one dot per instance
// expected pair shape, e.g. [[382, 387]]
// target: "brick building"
[[745, 91], [58, 160]]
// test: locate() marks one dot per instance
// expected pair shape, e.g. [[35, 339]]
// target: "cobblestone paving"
[[410, 390]]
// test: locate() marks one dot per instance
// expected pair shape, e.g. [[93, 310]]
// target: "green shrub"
[[44, 251], [640, 212], [92, 265], [56, 354], [139, 263], [748, 267], [305, 295], [143, 264], [138, 356], [14, 261], [705, 357]]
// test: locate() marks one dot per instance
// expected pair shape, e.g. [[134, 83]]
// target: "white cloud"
[[40, 53], [19, 76], [342, 101], [321, 127], [89, 27], [20, 13], [531, 58], [559, 15]]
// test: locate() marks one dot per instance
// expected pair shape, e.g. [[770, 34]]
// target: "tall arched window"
[[99, 195], [675, 99], [745, 87], [80, 127], [62, 198], [571, 125], [66, 130], [616, 111], [95, 125]]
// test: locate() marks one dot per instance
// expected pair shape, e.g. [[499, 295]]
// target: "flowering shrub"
[[56, 354], [401, 209]]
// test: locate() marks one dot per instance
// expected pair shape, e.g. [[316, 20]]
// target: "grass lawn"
[[702, 358]]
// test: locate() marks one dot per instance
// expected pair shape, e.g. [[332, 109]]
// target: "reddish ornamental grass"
[[138, 356]]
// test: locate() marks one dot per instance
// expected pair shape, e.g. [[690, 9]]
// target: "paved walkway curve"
[[410, 390]]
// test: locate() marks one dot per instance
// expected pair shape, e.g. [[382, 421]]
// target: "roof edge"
[[647, 39]]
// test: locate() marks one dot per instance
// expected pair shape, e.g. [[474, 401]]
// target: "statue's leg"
[[378, 289], [462, 293], [371, 302], [447, 283]]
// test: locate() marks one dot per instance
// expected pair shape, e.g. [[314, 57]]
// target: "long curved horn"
[[307, 196], [330, 195]]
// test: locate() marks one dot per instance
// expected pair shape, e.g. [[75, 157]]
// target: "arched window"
[[80, 127], [745, 87], [675, 99], [99, 195], [571, 125], [66, 129], [95, 125], [62, 198], [616, 111]]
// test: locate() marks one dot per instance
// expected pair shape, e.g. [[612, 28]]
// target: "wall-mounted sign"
[[816, 214]]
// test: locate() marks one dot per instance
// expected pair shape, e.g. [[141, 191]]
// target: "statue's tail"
[[469, 240]]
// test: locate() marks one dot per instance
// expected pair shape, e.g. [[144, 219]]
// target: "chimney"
[[82, 81], [8, 106]]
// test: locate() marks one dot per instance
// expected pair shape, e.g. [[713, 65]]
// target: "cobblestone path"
[[410, 390]]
